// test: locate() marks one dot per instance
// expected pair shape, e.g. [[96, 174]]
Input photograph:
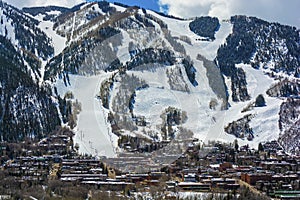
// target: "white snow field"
[[205, 123], [206, 48], [58, 41], [8, 27], [93, 132], [265, 122]]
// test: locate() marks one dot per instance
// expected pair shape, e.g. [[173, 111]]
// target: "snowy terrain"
[[58, 41], [7, 29], [143, 79], [258, 83], [152, 102], [206, 48], [93, 132]]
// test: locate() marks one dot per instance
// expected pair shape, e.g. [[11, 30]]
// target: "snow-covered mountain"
[[26, 106], [129, 79]]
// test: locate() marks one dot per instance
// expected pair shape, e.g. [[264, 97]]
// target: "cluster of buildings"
[[28, 170], [226, 167], [214, 167]]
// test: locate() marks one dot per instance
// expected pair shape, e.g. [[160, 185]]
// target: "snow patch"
[[119, 8]]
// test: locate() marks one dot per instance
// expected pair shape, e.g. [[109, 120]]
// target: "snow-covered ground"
[[205, 123], [264, 124], [58, 41], [206, 48], [119, 8], [153, 101], [93, 131], [123, 53], [7, 29], [210, 49], [258, 83]]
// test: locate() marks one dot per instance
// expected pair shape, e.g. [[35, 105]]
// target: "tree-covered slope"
[[26, 109], [271, 47]]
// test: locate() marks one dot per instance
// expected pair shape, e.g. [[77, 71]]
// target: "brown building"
[[253, 178], [226, 165]]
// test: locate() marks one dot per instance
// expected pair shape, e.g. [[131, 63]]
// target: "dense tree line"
[[34, 11], [150, 56], [105, 89], [289, 124], [29, 36], [190, 71], [256, 42], [285, 88], [205, 26], [160, 22], [66, 12], [26, 110], [241, 128], [260, 101], [144, 21], [239, 85], [33, 42]]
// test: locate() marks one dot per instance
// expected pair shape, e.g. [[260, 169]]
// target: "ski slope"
[[92, 131], [206, 48], [205, 123], [58, 41]]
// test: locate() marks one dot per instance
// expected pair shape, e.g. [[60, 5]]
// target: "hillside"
[[143, 80], [26, 107]]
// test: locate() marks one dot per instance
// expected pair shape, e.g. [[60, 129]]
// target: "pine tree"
[[236, 145], [260, 147], [260, 101]]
